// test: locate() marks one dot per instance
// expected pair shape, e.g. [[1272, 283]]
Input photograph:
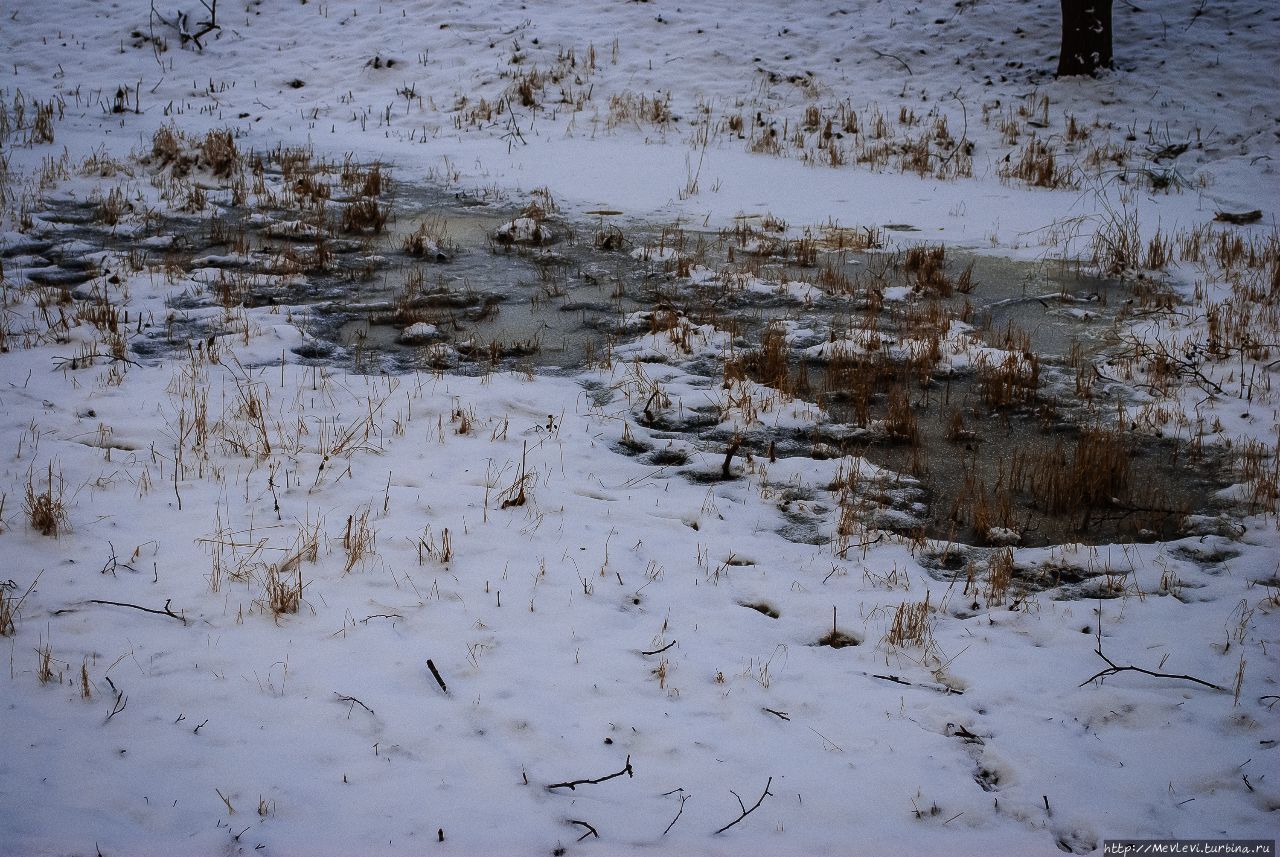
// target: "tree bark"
[[1086, 37]]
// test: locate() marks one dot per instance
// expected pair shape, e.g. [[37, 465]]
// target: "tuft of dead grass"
[[911, 625], [45, 509]]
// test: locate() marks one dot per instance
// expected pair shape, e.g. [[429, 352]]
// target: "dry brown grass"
[[218, 153], [911, 625], [283, 586], [430, 240], [45, 509], [768, 363], [365, 215], [8, 609], [364, 181], [999, 576], [1089, 477], [1011, 382], [359, 541], [45, 664], [1037, 165]]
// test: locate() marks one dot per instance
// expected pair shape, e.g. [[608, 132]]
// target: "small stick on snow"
[[435, 674], [354, 702], [663, 649], [899, 59], [121, 700], [680, 812], [1113, 668], [81, 360], [745, 811], [572, 784], [165, 612], [591, 831]]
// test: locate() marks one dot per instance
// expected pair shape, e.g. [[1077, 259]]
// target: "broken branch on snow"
[[572, 784]]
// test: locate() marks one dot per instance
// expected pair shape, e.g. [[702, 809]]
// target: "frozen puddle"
[[966, 380]]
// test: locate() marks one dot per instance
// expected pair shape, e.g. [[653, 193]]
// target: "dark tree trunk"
[[1086, 37]]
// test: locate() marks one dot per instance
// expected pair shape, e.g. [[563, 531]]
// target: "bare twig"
[[121, 700], [892, 678], [365, 620], [1113, 668], [435, 673], [745, 811], [663, 649], [825, 738], [940, 688], [167, 611], [181, 23], [572, 784], [683, 798], [779, 714], [900, 60], [87, 360], [354, 702], [591, 831]]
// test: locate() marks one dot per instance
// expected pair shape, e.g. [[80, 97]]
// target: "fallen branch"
[[112, 563], [354, 702], [663, 649], [683, 798], [165, 612], [572, 784], [1238, 218], [87, 360], [779, 714], [843, 553], [591, 831], [893, 678], [1113, 668], [182, 23], [900, 60], [436, 674], [745, 811], [940, 688], [121, 700]]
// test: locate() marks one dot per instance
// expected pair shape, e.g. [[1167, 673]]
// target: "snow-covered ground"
[[398, 613]]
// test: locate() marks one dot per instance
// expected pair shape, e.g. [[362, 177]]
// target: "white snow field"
[[268, 593]]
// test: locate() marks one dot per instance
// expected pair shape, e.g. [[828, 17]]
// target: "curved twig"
[[167, 611], [663, 649], [680, 812], [900, 60], [1113, 668], [591, 831], [572, 784], [745, 811]]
